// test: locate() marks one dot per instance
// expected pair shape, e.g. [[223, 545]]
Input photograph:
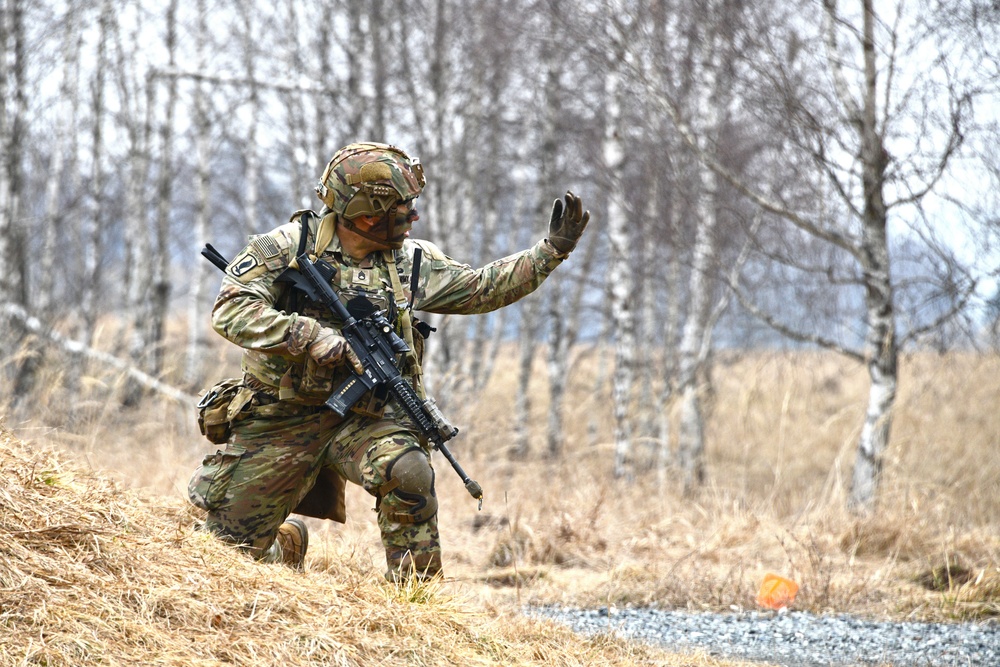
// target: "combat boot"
[[293, 539]]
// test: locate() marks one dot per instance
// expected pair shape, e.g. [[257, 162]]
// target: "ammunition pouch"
[[213, 410]]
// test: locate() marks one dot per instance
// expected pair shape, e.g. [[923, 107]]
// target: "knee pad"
[[411, 481]]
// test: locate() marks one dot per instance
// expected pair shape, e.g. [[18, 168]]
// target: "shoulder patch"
[[266, 246], [246, 266], [243, 264]]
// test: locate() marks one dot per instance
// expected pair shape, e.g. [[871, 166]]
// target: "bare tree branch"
[[33, 325]]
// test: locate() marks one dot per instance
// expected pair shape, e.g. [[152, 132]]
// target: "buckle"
[[207, 399]]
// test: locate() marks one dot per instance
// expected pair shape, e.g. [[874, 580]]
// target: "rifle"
[[376, 345]]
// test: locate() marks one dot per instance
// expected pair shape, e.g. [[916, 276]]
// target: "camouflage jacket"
[[257, 313]]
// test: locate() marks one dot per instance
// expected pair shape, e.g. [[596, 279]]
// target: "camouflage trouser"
[[274, 456]]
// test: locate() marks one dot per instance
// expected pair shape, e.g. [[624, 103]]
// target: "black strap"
[[304, 219]]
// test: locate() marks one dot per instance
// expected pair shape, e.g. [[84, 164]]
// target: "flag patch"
[[266, 246]]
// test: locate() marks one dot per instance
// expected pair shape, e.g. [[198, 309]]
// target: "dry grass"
[[782, 431], [92, 574], [781, 435]]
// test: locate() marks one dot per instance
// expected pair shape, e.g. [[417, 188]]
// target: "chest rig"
[[362, 290]]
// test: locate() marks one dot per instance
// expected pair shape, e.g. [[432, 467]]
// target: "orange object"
[[776, 592]]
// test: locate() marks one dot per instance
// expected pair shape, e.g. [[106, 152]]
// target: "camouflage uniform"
[[283, 441]]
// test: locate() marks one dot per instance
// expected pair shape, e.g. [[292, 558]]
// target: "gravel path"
[[796, 638]]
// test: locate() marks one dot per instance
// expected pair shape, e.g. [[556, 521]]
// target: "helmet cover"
[[381, 174], [372, 179]]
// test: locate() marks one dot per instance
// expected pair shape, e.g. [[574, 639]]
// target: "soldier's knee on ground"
[[408, 495]]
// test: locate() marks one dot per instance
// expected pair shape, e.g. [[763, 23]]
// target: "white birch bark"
[[521, 445], [11, 69], [880, 339], [357, 55], [160, 259], [647, 325], [94, 217], [439, 189], [619, 270], [13, 73], [138, 91], [6, 221], [61, 171], [302, 176], [858, 116], [196, 327], [691, 432], [77, 348], [380, 102], [562, 317], [691, 429], [662, 248], [670, 345], [527, 334], [251, 177], [325, 101]]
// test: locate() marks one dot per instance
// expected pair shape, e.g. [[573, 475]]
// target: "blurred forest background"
[[800, 174]]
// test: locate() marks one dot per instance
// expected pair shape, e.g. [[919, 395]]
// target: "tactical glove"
[[567, 223], [329, 347]]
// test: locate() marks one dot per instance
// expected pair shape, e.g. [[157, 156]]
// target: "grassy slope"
[[91, 574]]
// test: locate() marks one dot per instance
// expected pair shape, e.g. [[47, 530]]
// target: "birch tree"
[[203, 129], [561, 114], [619, 237], [64, 176], [94, 219], [136, 91], [439, 87], [251, 37], [11, 34], [866, 135], [707, 95], [13, 111], [160, 259]]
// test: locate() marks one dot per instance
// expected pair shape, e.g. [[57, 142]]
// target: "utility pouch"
[[213, 410], [207, 487], [372, 404]]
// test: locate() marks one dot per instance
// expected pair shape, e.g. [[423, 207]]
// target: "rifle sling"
[[406, 321]]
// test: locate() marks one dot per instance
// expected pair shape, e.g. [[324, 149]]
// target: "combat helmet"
[[372, 179]]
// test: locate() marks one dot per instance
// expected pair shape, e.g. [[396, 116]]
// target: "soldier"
[[286, 453]]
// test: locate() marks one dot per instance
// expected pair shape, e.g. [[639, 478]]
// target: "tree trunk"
[[880, 340], [61, 171], [10, 22], [522, 394], [303, 171], [196, 327], [619, 270], [251, 176], [14, 283], [438, 354], [160, 261], [138, 237], [562, 319], [94, 220], [691, 434], [380, 33], [664, 431]]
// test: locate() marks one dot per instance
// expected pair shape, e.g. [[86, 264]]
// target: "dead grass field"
[[781, 434]]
